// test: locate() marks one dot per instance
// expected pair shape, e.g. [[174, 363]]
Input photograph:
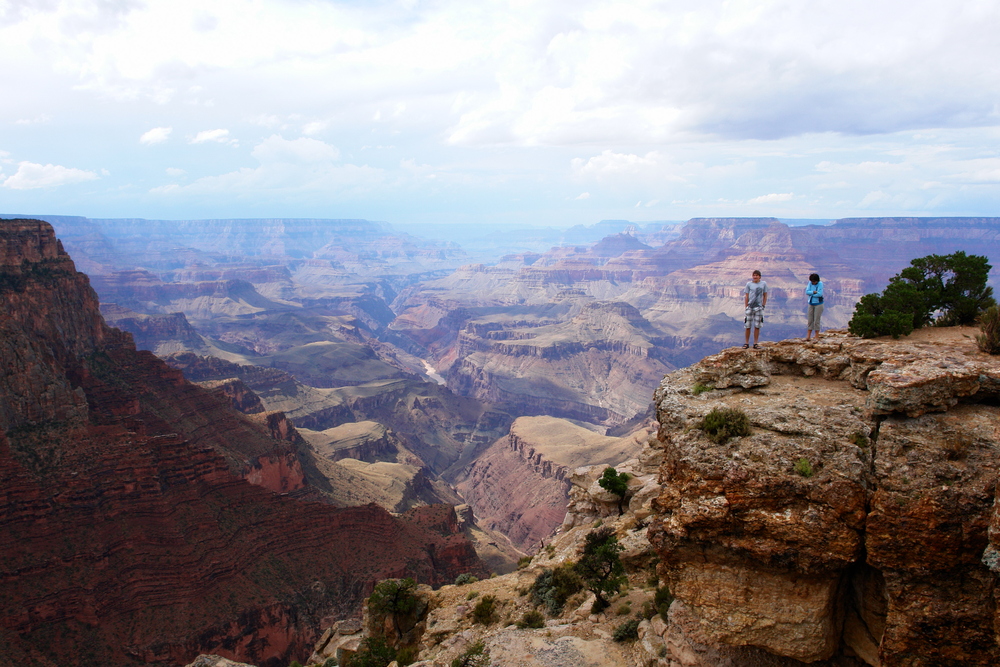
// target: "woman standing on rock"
[[814, 292]]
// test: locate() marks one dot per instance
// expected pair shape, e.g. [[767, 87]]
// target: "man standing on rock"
[[754, 300]]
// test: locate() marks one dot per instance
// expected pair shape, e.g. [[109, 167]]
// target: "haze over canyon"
[[217, 435]]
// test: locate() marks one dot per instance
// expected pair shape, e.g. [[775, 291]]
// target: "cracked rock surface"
[[853, 524]]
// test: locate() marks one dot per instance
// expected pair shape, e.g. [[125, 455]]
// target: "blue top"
[[815, 293]]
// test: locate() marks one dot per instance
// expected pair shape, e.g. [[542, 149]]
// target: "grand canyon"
[[216, 436]]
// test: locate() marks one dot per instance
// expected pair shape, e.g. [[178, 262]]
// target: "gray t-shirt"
[[756, 292]]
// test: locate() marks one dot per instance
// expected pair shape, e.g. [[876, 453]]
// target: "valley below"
[[272, 415]]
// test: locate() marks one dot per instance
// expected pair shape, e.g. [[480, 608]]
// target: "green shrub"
[[804, 468], [471, 595], [698, 389], [624, 609], [484, 610], [860, 439], [396, 598], [372, 652], [988, 339], [465, 578], [523, 562], [554, 586], [531, 619], [474, 656], [627, 631], [615, 482], [721, 424], [648, 610], [662, 599], [600, 566], [937, 289], [406, 656]]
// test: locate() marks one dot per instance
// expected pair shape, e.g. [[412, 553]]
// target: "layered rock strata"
[[128, 532], [520, 485], [853, 520]]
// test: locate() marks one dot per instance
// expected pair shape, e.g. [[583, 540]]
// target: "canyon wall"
[[129, 530]]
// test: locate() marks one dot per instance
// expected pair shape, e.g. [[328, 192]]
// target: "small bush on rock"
[[474, 656], [531, 619], [721, 424], [553, 587], [372, 652], [860, 439], [804, 468], [988, 339], [627, 631], [465, 578], [662, 600], [484, 609]]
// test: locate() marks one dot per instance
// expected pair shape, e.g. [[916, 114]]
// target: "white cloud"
[[314, 128], [155, 136], [30, 176], [300, 151], [43, 118], [583, 195], [771, 198], [611, 163], [220, 136], [174, 171]]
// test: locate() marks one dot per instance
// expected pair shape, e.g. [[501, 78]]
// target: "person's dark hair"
[[814, 277], [756, 273]]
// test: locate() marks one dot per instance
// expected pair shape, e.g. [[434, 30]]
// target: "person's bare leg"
[[756, 336], [809, 334], [746, 337]]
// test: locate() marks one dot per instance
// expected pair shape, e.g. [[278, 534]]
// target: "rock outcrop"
[[128, 532], [853, 520]]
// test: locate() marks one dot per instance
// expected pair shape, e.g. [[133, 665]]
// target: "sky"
[[532, 112]]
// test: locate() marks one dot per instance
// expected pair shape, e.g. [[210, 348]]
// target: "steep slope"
[[520, 485], [128, 531]]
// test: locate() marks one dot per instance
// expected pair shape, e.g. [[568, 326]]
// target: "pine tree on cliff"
[[600, 567], [615, 482], [396, 598], [944, 290]]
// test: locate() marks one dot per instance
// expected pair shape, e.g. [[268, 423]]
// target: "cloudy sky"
[[527, 111]]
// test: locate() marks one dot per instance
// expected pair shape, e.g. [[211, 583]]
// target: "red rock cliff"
[[127, 533]]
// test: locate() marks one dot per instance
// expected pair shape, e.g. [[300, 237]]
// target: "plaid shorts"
[[754, 318]]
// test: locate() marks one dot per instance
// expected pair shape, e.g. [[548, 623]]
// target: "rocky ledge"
[[855, 523]]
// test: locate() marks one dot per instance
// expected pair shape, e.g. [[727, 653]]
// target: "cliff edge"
[[856, 521]]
